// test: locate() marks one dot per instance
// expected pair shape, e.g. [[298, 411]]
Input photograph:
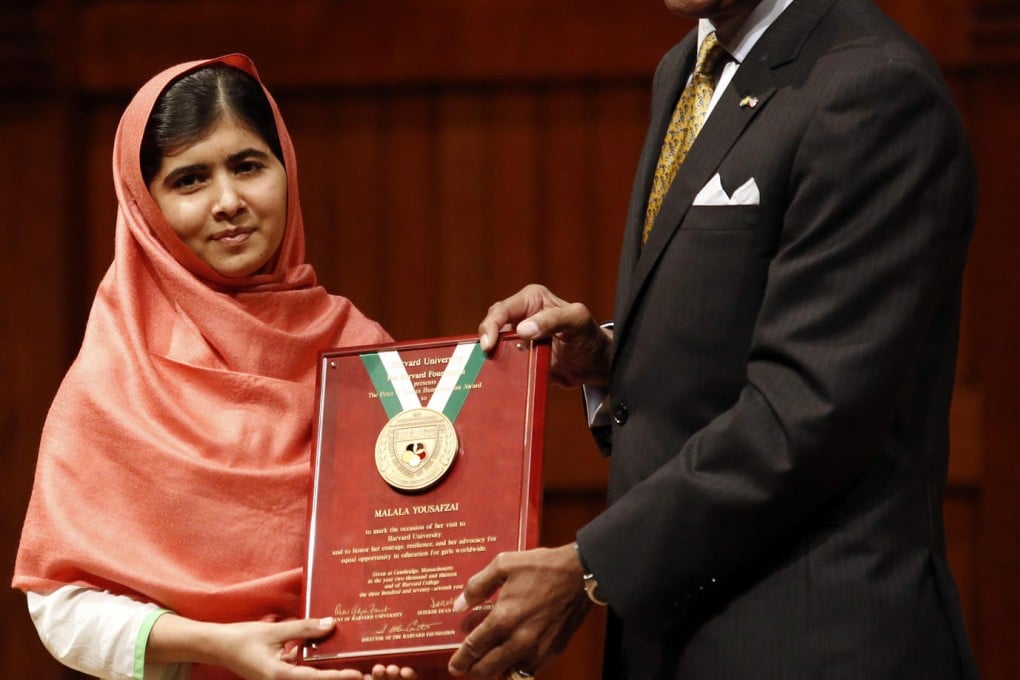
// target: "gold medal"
[[416, 449]]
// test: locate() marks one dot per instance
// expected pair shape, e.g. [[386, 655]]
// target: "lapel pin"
[[748, 102]]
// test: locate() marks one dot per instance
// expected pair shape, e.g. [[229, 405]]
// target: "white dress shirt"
[[99, 633]]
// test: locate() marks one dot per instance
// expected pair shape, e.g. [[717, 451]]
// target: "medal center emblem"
[[416, 449]]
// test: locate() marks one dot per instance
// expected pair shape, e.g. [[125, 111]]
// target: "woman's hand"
[[391, 672], [255, 650], [581, 350]]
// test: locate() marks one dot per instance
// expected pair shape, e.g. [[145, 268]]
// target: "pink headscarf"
[[174, 463]]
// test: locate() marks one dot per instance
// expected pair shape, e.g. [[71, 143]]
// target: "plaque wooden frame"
[[386, 562]]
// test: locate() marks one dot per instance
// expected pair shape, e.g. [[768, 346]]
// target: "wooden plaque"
[[427, 463]]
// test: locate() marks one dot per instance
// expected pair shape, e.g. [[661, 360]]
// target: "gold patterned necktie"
[[688, 117]]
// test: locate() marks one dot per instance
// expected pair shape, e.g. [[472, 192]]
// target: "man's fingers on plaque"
[[473, 619], [494, 646], [580, 316], [522, 303], [497, 317], [482, 584], [464, 658]]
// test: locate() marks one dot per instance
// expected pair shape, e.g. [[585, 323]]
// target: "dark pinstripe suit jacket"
[[783, 371]]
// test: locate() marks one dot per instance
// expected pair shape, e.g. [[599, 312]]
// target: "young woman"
[[164, 537]]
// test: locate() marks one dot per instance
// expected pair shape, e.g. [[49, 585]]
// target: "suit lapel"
[[675, 69], [779, 45]]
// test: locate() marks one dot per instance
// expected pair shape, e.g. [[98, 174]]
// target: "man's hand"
[[580, 349], [541, 603]]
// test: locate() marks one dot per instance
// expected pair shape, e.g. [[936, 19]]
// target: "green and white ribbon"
[[396, 390]]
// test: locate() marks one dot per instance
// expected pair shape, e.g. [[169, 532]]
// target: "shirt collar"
[[757, 22]]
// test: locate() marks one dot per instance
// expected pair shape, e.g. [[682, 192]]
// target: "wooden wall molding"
[[24, 60], [323, 43], [37, 47], [501, 136], [995, 35]]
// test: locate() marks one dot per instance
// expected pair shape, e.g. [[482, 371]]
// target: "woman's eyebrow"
[[250, 152], [184, 170]]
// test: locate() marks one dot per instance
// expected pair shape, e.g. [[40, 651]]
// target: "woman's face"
[[226, 197]]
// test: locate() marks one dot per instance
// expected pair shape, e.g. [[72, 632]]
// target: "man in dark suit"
[[779, 373]]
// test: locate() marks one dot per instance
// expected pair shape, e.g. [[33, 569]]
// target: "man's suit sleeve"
[[871, 244]]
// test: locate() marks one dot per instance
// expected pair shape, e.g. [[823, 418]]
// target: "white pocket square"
[[714, 194]]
